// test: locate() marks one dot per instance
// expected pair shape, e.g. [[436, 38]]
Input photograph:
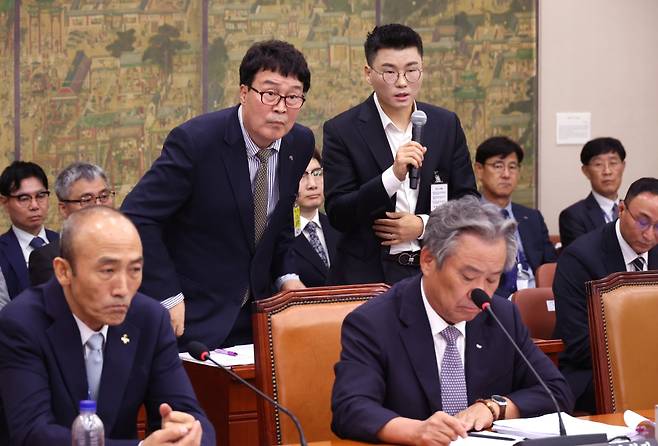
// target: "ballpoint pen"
[[225, 352]]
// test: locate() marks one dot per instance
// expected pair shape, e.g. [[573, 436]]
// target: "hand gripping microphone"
[[418, 120], [483, 302], [200, 352]]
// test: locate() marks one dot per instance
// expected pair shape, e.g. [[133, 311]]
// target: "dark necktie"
[[638, 263], [314, 240], [261, 193], [615, 212], [37, 242], [453, 382], [94, 364]]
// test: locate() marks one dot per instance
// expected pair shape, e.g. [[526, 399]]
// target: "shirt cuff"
[[286, 277], [425, 218], [172, 301], [391, 182]]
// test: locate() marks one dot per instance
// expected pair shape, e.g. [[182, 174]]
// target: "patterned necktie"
[[453, 383], [615, 212], [37, 242], [261, 193], [94, 364], [508, 282], [312, 230], [638, 263]]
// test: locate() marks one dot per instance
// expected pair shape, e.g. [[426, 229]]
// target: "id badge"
[[438, 195], [296, 218]]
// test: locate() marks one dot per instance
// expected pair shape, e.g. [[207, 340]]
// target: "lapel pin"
[[290, 157], [478, 346], [125, 339]]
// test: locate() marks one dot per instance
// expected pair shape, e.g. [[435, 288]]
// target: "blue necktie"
[[453, 382], [94, 364], [37, 242]]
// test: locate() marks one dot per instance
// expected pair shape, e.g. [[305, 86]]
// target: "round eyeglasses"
[[272, 98], [391, 76], [90, 199], [24, 200]]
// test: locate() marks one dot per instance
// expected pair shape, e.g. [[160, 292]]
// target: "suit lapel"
[[417, 339], [430, 161], [613, 257], [305, 249], [330, 236], [521, 217], [15, 258], [285, 165], [478, 354], [370, 127], [594, 211]]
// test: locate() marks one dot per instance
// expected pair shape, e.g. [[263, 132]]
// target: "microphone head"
[[198, 351], [480, 298], [418, 118]]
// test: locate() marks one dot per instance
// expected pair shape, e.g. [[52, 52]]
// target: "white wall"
[[598, 56]]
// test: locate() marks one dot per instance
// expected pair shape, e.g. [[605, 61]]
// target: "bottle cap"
[[88, 405]]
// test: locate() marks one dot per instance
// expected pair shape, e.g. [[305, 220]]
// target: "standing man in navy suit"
[[367, 152], [315, 245], [421, 364], [88, 334], [498, 168], [215, 211], [603, 162], [24, 195]]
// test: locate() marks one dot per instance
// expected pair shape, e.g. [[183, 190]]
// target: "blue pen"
[[225, 352]]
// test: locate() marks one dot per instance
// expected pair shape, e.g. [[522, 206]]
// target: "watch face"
[[499, 399]]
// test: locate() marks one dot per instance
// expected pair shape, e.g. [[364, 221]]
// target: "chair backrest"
[[545, 275], [623, 329], [297, 344], [537, 309], [557, 243]]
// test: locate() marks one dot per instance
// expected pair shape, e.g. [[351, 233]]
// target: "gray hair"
[[74, 172], [468, 215]]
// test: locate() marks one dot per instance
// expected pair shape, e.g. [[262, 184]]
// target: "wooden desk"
[[617, 418]]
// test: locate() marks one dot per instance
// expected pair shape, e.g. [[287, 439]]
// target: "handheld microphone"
[[418, 120], [200, 352], [482, 300]]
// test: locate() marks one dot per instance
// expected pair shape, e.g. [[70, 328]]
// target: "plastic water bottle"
[[87, 429]]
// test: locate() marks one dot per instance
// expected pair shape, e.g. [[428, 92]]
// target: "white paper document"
[[547, 425], [244, 356]]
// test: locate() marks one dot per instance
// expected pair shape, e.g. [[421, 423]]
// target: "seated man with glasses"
[[367, 153], [215, 210], [603, 165], [24, 195], [498, 169], [626, 244], [77, 186]]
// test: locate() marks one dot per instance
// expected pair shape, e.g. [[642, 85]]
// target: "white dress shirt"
[[628, 252], [316, 219], [606, 205], [24, 239]]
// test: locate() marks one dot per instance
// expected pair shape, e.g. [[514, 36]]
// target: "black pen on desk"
[[221, 351], [491, 437]]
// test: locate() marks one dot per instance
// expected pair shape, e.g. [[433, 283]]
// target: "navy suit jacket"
[[195, 214], [593, 256], [13, 263], [310, 267], [355, 154], [580, 218], [388, 365], [43, 378]]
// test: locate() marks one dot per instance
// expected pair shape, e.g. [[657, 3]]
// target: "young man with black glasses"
[[367, 152]]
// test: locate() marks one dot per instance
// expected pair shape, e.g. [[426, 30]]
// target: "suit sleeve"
[[571, 227], [151, 204], [462, 178], [360, 387], [350, 201], [549, 254]]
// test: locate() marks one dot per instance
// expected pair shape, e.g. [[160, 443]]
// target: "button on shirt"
[[316, 219], [628, 252], [606, 206], [437, 324], [24, 239], [406, 198]]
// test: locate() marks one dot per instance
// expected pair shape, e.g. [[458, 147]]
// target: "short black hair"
[[599, 146], [317, 155], [394, 36], [16, 172], [646, 184], [277, 56], [498, 146]]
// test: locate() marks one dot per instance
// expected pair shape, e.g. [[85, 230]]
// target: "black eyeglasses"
[[91, 199], [314, 173], [272, 98], [391, 76], [24, 200]]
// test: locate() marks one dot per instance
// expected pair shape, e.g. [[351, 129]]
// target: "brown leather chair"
[[297, 344], [557, 243], [537, 309], [545, 275], [623, 329]]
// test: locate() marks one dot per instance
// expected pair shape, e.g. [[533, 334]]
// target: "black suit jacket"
[[593, 256], [537, 246], [580, 218], [40, 267], [194, 212], [13, 263], [388, 365], [355, 154], [310, 267]]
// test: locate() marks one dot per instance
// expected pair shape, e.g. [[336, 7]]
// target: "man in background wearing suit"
[[24, 195], [498, 168], [315, 246], [603, 165], [215, 211], [77, 186], [420, 364], [367, 152], [88, 334], [627, 244]]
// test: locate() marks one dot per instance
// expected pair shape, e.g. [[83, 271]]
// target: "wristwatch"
[[502, 405]]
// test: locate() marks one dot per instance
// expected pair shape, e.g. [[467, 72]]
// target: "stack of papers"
[[547, 425], [244, 356]]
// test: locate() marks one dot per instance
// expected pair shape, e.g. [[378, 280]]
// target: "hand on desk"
[[438, 430], [476, 417], [177, 314], [178, 428]]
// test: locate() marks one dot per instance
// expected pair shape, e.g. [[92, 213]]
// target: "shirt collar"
[[86, 332], [604, 202], [386, 121], [303, 221], [508, 208], [24, 237], [626, 250], [252, 148], [437, 323]]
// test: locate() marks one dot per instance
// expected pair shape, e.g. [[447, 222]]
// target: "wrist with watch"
[[492, 403]]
